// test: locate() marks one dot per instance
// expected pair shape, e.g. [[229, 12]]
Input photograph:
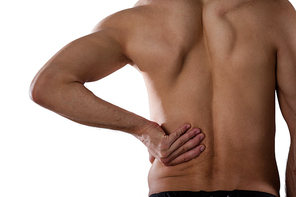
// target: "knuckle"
[[178, 133], [186, 158], [190, 135], [182, 141], [183, 149]]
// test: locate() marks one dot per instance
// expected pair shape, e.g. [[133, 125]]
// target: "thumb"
[[151, 158]]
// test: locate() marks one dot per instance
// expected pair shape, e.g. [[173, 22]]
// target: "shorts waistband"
[[234, 193]]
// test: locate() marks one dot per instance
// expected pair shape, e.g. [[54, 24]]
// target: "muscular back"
[[211, 64]]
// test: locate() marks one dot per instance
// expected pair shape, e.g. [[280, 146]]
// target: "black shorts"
[[235, 193]]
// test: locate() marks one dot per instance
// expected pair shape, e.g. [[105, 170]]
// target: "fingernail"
[[188, 126], [201, 137], [197, 131], [202, 148]]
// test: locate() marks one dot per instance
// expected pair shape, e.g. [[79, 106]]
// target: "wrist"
[[143, 130], [149, 133]]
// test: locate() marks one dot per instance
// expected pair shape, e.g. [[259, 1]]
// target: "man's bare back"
[[216, 65]]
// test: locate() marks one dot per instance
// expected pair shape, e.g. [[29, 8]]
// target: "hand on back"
[[181, 146]]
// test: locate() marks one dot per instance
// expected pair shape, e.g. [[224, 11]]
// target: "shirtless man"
[[214, 64]]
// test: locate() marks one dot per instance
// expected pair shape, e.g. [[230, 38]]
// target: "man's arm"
[[286, 89], [59, 86]]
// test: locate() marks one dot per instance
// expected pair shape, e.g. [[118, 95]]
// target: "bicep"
[[86, 59]]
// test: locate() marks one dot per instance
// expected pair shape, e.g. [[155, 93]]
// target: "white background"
[[43, 154]]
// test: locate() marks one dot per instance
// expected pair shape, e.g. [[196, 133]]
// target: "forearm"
[[291, 182], [291, 172], [72, 100]]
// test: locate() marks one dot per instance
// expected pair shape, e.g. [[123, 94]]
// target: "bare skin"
[[213, 64]]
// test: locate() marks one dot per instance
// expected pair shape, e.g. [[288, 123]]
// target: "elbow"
[[40, 90], [35, 92], [48, 88]]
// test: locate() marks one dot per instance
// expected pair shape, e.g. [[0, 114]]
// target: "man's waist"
[[208, 174]]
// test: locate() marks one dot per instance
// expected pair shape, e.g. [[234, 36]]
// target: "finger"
[[151, 158], [166, 145], [193, 153], [179, 132], [184, 139], [190, 144]]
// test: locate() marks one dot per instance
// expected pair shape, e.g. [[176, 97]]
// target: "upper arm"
[[89, 58], [286, 69], [86, 59]]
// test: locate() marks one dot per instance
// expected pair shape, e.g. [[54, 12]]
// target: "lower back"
[[239, 136], [226, 164]]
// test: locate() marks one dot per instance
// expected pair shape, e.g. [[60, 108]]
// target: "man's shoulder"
[[284, 20], [143, 24], [283, 12], [128, 18]]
